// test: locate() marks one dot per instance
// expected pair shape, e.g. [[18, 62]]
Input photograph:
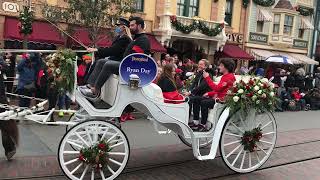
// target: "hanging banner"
[[139, 66]]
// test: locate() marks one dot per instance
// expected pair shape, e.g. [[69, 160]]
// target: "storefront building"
[[284, 28], [316, 49]]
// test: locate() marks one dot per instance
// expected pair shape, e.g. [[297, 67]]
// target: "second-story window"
[[276, 23], [188, 8], [288, 24], [139, 5], [228, 14], [260, 26]]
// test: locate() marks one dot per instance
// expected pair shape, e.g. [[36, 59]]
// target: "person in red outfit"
[[219, 90]]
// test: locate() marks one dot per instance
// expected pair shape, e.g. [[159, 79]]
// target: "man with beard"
[[140, 44]]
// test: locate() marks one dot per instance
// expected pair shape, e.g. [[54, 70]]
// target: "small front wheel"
[[247, 141], [84, 160]]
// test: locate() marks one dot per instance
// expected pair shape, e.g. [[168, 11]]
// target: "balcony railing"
[[188, 21]]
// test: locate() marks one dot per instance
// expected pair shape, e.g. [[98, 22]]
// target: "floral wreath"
[[97, 156], [265, 3], [250, 139]]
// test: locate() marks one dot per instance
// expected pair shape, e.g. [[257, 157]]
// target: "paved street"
[[156, 156]]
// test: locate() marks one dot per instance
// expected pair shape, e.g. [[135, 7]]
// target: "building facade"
[[284, 28]]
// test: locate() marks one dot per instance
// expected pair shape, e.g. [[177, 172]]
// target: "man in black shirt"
[[140, 44]]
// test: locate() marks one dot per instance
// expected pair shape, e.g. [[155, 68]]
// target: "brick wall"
[[214, 11]]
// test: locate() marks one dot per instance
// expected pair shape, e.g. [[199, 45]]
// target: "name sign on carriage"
[[138, 70]]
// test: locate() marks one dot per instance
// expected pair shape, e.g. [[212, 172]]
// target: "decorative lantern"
[[134, 81]]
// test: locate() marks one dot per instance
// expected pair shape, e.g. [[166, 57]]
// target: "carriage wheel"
[[238, 157], [88, 134], [204, 142]]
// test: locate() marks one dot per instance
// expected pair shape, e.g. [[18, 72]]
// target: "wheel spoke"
[[237, 127], [237, 157], [102, 175], [243, 157], [89, 135], [92, 174], [115, 162], [234, 142], [111, 170], [71, 152], [118, 144], [115, 135], [84, 172], [257, 155], [75, 144], [117, 153], [80, 137], [265, 134], [71, 161], [104, 134], [262, 149], [234, 150], [266, 125], [266, 142], [75, 169], [250, 160], [231, 134]]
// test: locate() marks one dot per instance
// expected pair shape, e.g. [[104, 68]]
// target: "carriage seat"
[[154, 92], [109, 90]]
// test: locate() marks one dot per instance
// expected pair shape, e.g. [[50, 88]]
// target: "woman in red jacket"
[[168, 85], [219, 90]]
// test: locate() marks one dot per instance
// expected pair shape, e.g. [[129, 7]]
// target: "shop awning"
[[304, 59], [264, 15], [260, 54], [235, 52], [82, 35], [42, 32], [155, 45], [305, 24]]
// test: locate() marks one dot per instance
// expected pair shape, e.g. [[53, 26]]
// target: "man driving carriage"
[[140, 44]]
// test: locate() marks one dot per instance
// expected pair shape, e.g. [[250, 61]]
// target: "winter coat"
[[28, 71], [140, 44], [219, 90], [169, 91], [116, 50], [317, 80], [199, 85]]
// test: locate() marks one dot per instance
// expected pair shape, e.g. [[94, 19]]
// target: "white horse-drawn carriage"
[[93, 133]]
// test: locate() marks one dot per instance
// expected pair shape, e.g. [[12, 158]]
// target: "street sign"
[[138, 65]]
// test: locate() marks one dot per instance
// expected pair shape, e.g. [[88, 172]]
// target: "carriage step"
[[100, 105]]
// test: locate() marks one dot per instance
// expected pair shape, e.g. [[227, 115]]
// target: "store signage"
[[235, 38], [297, 43], [10, 7], [259, 38]]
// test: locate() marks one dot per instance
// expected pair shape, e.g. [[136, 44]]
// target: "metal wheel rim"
[[110, 137], [240, 156]]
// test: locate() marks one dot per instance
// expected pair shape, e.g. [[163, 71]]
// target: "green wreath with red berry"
[[97, 156], [250, 139]]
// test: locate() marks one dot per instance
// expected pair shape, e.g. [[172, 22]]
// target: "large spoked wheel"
[[88, 134], [238, 157], [204, 142]]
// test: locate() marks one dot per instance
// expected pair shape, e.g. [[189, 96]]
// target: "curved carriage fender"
[[216, 137]]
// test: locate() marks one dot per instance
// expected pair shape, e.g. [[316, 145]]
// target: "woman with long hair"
[[168, 85]]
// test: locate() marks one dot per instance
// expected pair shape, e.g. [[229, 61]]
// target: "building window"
[[260, 26], [228, 14], [188, 8], [139, 5], [288, 24], [276, 23], [301, 33]]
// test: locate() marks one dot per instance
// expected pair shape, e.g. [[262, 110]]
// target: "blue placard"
[[141, 65]]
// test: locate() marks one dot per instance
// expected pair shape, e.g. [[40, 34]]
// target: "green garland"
[[304, 11], [265, 3], [196, 24], [245, 3], [26, 18]]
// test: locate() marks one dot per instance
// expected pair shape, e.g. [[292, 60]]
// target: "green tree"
[[91, 14], [26, 18]]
